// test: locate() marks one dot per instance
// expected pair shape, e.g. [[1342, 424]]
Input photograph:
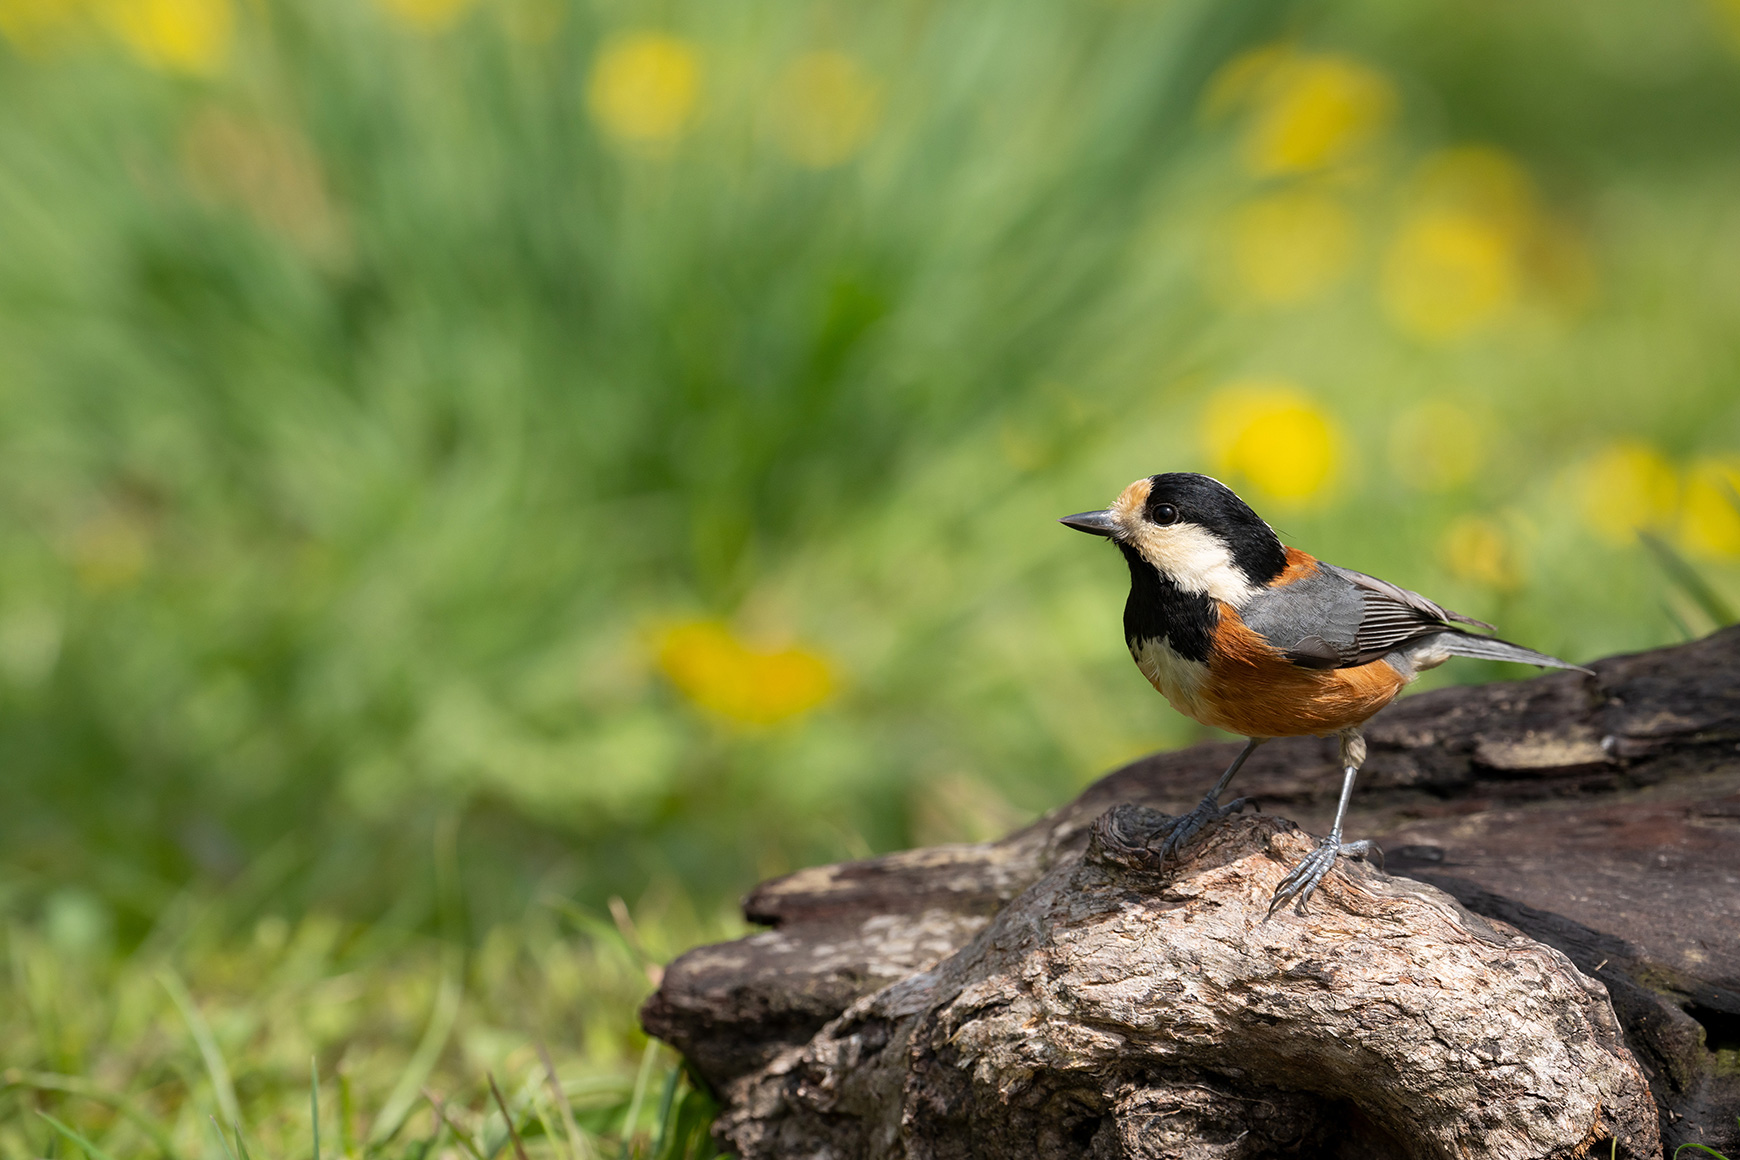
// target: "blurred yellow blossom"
[[1289, 247], [1459, 257], [709, 665], [1308, 110], [426, 15], [1235, 85], [825, 107], [644, 87], [1710, 510], [1479, 180], [1727, 14], [1626, 487], [183, 35], [1480, 551], [1437, 445], [1270, 433], [1447, 273], [33, 25]]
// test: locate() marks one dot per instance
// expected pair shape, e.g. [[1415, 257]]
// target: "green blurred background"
[[498, 477]]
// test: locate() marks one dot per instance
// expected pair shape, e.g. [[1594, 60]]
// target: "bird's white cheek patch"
[[1178, 679], [1195, 559]]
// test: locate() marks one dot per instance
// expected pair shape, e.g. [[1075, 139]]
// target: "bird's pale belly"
[[1179, 680], [1254, 691]]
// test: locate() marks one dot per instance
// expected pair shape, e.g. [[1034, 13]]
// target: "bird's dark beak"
[[1093, 523]]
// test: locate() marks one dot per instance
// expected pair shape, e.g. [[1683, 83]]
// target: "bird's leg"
[[1210, 809], [1302, 882]]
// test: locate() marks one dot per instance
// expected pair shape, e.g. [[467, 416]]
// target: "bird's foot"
[[1188, 826], [1306, 876]]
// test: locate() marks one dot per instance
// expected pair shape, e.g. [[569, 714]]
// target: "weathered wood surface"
[[1599, 816]]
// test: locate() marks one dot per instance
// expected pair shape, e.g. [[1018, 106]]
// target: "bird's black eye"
[[1164, 513]]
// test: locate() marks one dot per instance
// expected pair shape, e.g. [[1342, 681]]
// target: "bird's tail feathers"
[[1490, 648]]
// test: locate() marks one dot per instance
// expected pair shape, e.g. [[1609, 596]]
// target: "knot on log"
[[1097, 1016], [1125, 835]]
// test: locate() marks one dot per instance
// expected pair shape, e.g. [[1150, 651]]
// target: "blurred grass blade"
[[241, 1144], [609, 933], [578, 1144], [441, 1019], [667, 1105], [464, 1139], [72, 1134], [215, 1066], [346, 1115], [314, 1102], [1689, 579], [507, 1118], [223, 1139], [74, 1085], [632, 1116], [696, 1112]]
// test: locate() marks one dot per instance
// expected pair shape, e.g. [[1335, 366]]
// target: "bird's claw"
[[1306, 876], [1188, 826]]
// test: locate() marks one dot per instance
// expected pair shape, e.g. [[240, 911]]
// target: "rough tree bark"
[[1553, 959]]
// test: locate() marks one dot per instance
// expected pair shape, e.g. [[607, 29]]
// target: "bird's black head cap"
[[1212, 505]]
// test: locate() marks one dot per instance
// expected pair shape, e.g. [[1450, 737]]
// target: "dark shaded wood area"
[[1598, 816]]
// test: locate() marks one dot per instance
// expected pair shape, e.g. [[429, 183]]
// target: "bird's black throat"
[[1158, 608]]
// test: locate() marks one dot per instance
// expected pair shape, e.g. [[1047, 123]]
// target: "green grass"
[[369, 409], [216, 1019]]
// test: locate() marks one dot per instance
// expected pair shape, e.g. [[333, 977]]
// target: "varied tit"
[[1248, 635]]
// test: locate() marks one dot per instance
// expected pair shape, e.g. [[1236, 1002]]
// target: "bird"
[[1246, 634]]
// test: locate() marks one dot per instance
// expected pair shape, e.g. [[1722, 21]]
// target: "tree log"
[[1552, 961]]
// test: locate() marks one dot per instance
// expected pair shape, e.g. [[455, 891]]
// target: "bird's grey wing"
[[1430, 609], [1336, 618], [1313, 621]]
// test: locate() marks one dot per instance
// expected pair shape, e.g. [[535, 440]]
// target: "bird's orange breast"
[[1250, 688]]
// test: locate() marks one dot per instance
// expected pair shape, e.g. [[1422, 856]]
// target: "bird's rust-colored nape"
[[1299, 566], [1253, 689]]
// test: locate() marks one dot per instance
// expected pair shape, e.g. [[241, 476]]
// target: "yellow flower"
[[1727, 14], [34, 25], [710, 666], [1455, 264], [1312, 111], [1447, 274], [1270, 433], [1625, 488], [1480, 180], [825, 107], [1710, 512], [426, 15], [1479, 551], [1291, 246], [1236, 84], [1437, 445], [183, 35], [644, 87]]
